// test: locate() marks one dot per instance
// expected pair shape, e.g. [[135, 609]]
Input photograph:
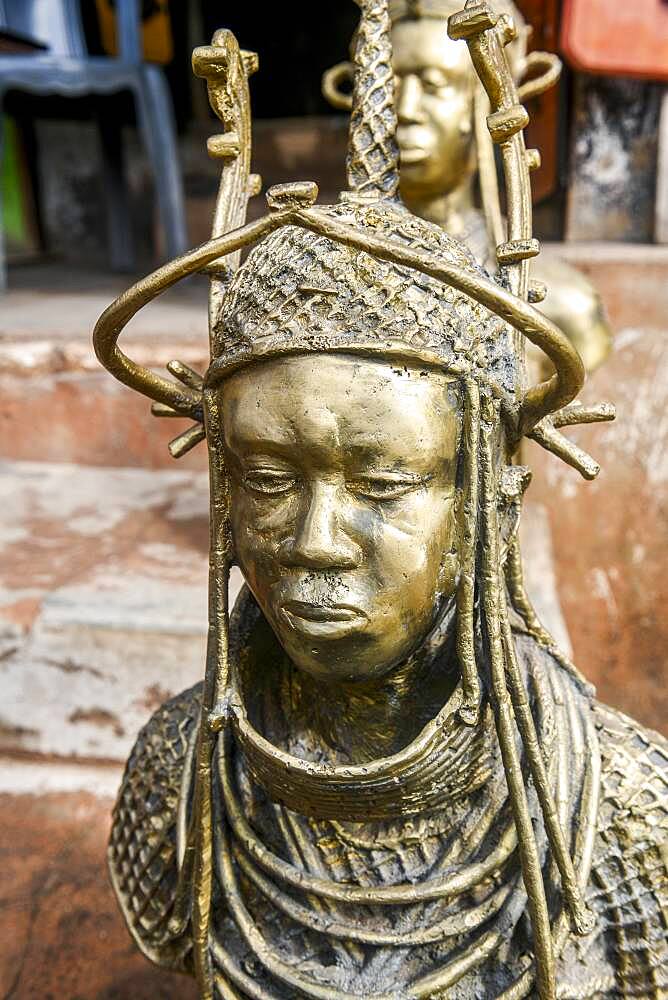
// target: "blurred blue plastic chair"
[[64, 68]]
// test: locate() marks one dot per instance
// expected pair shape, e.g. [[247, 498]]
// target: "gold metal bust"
[[446, 155], [391, 784]]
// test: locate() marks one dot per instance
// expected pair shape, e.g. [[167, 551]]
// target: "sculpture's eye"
[[385, 488], [433, 80], [269, 482]]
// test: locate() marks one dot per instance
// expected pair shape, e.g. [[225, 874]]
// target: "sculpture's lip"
[[323, 619], [409, 155]]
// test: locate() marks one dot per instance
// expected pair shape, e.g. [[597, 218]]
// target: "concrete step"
[[58, 403], [103, 596], [87, 418]]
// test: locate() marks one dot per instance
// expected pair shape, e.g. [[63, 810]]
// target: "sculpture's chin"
[[351, 641], [335, 656], [432, 169], [417, 173], [340, 651]]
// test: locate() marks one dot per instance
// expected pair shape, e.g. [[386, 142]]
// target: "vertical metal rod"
[[215, 683], [466, 590], [492, 596]]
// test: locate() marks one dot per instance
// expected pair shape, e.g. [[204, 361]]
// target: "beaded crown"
[[301, 292]]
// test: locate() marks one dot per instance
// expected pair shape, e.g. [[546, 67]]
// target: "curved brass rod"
[[116, 316], [331, 79], [422, 988], [538, 401], [551, 65], [326, 923]]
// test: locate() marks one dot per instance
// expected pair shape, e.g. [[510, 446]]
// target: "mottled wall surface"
[[612, 182], [610, 537]]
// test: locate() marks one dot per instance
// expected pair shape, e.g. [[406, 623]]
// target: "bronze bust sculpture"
[[391, 784]]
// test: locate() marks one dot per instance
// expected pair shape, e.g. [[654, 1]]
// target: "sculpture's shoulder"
[[634, 775], [142, 845], [628, 952]]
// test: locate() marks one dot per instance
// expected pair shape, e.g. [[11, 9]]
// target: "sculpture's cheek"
[[263, 524], [411, 541], [362, 617]]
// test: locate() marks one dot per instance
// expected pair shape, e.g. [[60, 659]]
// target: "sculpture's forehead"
[[342, 401], [424, 43]]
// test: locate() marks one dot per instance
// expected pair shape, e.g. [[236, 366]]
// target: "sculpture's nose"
[[319, 541], [409, 100]]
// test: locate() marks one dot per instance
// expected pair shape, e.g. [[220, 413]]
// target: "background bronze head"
[[435, 88], [435, 91]]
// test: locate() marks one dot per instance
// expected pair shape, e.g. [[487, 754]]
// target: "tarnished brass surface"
[[391, 784], [447, 156]]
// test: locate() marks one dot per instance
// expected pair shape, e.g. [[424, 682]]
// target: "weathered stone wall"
[[613, 160], [610, 537]]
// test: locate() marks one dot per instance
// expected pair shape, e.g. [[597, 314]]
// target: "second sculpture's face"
[[435, 86], [343, 505]]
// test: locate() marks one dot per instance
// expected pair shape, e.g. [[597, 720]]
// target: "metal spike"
[[549, 438], [162, 410], [185, 374], [577, 414], [185, 442]]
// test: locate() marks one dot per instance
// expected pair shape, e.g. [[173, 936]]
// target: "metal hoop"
[[332, 78], [536, 402]]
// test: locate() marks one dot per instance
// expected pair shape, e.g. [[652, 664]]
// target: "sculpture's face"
[[343, 505], [435, 87]]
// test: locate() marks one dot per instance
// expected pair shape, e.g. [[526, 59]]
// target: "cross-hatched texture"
[[625, 956], [373, 154], [142, 846], [298, 291]]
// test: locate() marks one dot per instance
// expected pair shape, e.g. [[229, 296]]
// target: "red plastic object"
[[627, 38]]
